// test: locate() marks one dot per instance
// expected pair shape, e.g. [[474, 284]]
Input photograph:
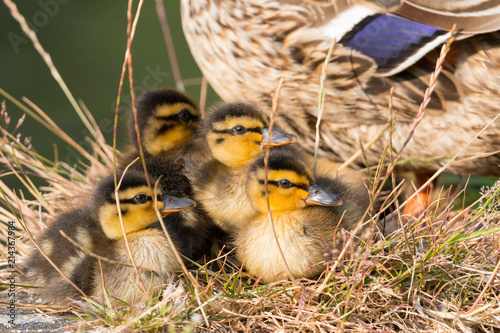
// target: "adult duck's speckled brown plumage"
[[244, 47]]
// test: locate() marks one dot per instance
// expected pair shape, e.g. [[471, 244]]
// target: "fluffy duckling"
[[167, 120], [306, 217], [96, 227], [235, 134]]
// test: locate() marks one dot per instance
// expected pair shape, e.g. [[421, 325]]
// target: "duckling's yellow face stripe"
[[236, 141], [174, 109], [280, 198], [130, 193], [170, 127], [292, 176], [231, 122], [136, 212]]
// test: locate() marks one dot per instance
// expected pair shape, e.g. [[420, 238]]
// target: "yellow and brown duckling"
[[235, 134], [306, 214], [167, 120], [96, 227]]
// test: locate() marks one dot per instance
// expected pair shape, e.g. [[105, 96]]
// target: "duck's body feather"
[[244, 47]]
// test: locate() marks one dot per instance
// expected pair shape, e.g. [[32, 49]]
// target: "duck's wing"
[[374, 53], [470, 16], [391, 42], [395, 35]]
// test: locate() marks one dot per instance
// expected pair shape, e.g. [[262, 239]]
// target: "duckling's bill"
[[320, 197], [277, 138], [170, 204]]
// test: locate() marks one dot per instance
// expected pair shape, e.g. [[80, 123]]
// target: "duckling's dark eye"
[[239, 129], [285, 183], [141, 198], [184, 115]]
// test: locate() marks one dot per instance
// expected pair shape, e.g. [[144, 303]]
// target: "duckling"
[[306, 217], [234, 133], [167, 120], [96, 227]]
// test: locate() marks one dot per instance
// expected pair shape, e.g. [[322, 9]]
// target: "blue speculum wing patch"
[[392, 40]]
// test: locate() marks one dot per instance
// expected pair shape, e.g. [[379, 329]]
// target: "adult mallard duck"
[[244, 47]]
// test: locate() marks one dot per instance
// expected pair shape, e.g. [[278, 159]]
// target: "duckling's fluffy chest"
[[150, 250], [257, 248], [154, 258], [226, 201]]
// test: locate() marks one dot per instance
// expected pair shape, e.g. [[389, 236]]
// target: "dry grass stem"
[[131, 28], [131, 81], [203, 96], [165, 28], [321, 101], [122, 225], [187, 273], [445, 49]]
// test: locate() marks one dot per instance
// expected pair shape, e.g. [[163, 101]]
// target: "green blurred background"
[[87, 41]]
